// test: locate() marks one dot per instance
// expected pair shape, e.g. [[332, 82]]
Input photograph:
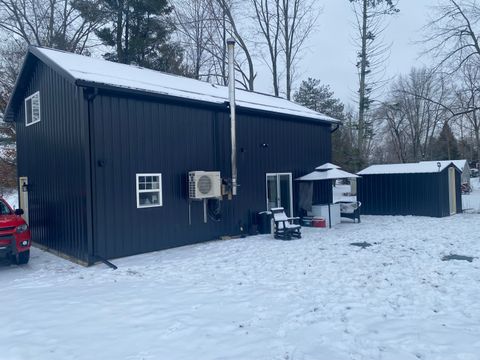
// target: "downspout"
[[231, 95], [90, 95], [336, 128]]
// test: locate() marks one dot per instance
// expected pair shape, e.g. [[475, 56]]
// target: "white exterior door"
[[23, 198], [279, 192], [452, 191]]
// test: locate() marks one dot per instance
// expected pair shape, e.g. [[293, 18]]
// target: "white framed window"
[[32, 109], [149, 190]]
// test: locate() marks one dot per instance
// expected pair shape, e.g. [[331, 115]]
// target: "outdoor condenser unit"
[[204, 185]]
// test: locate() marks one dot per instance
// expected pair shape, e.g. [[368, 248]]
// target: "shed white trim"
[[458, 163], [32, 109], [409, 168]]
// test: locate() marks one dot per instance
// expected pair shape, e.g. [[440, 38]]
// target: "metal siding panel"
[[174, 139], [404, 194], [52, 154]]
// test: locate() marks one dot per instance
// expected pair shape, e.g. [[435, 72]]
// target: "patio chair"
[[350, 209], [285, 228]]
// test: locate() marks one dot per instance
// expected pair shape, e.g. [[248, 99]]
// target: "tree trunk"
[[119, 34], [363, 70], [127, 36]]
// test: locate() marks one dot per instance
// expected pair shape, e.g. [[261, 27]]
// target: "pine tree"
[[445, 146], [138, 31], [321, 98], [318, 97]]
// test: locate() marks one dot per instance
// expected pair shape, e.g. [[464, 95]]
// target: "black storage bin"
[[264, 222]]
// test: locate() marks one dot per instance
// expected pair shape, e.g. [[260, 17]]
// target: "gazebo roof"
[[331, 174], [327, 166]]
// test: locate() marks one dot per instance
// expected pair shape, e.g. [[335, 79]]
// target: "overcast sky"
[[331, 54]]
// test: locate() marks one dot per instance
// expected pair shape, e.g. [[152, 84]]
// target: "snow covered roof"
[[327, 166], [409, 168], [331, 174], [458, 163], [101, 72]]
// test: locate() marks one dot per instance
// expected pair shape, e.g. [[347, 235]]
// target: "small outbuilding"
[[422, 189]]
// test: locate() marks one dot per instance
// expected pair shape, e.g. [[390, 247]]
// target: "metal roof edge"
[[49, 62], [178, 99], [32, 53], [407, 172]]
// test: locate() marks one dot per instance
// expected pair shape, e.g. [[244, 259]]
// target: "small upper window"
[[32, 109], [149, 190]]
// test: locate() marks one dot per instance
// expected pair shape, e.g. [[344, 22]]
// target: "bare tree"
[[11, 55], [452, 36], [297, 21], [275, 29], [194, 23], [49, 23], [267, 17], [394, 132], [372, 53], [414, 112], [452, 40], [468, 97], [228, 15]]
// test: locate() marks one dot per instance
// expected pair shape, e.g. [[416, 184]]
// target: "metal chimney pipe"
[[231, 95]]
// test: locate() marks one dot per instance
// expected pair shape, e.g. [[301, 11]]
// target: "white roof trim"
[[409, 168], [458, 163]]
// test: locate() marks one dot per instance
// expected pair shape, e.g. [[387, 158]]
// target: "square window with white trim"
[[32, 109], [149, 190]]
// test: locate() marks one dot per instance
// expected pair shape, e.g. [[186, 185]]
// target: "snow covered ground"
[[471, 202], [259, 298]]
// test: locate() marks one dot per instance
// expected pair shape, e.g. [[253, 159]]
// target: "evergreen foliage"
[[445, 146], [139, 32]]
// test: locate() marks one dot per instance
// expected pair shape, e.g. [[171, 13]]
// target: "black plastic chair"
[[350, 209]]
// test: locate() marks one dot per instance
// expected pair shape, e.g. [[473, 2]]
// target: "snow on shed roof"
[[104, 72], [458, 163], [409, 168]]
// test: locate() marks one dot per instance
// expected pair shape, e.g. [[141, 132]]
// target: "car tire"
[[22, 258]]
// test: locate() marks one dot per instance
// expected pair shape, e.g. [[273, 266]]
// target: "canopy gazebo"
[[326, 172]]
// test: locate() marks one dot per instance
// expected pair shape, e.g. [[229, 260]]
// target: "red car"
[[14, 234]]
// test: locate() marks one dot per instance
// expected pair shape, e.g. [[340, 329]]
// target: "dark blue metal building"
[[94, 136], [422, 189]]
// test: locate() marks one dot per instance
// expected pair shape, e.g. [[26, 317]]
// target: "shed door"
[[23, 198], [452, 191]]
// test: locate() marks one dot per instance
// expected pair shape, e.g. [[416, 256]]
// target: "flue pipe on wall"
[[231, 93]]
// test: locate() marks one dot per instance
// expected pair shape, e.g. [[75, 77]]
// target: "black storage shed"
[[422, 189], [104, 152]]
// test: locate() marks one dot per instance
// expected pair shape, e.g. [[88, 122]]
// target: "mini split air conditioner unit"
[[204, 184]]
